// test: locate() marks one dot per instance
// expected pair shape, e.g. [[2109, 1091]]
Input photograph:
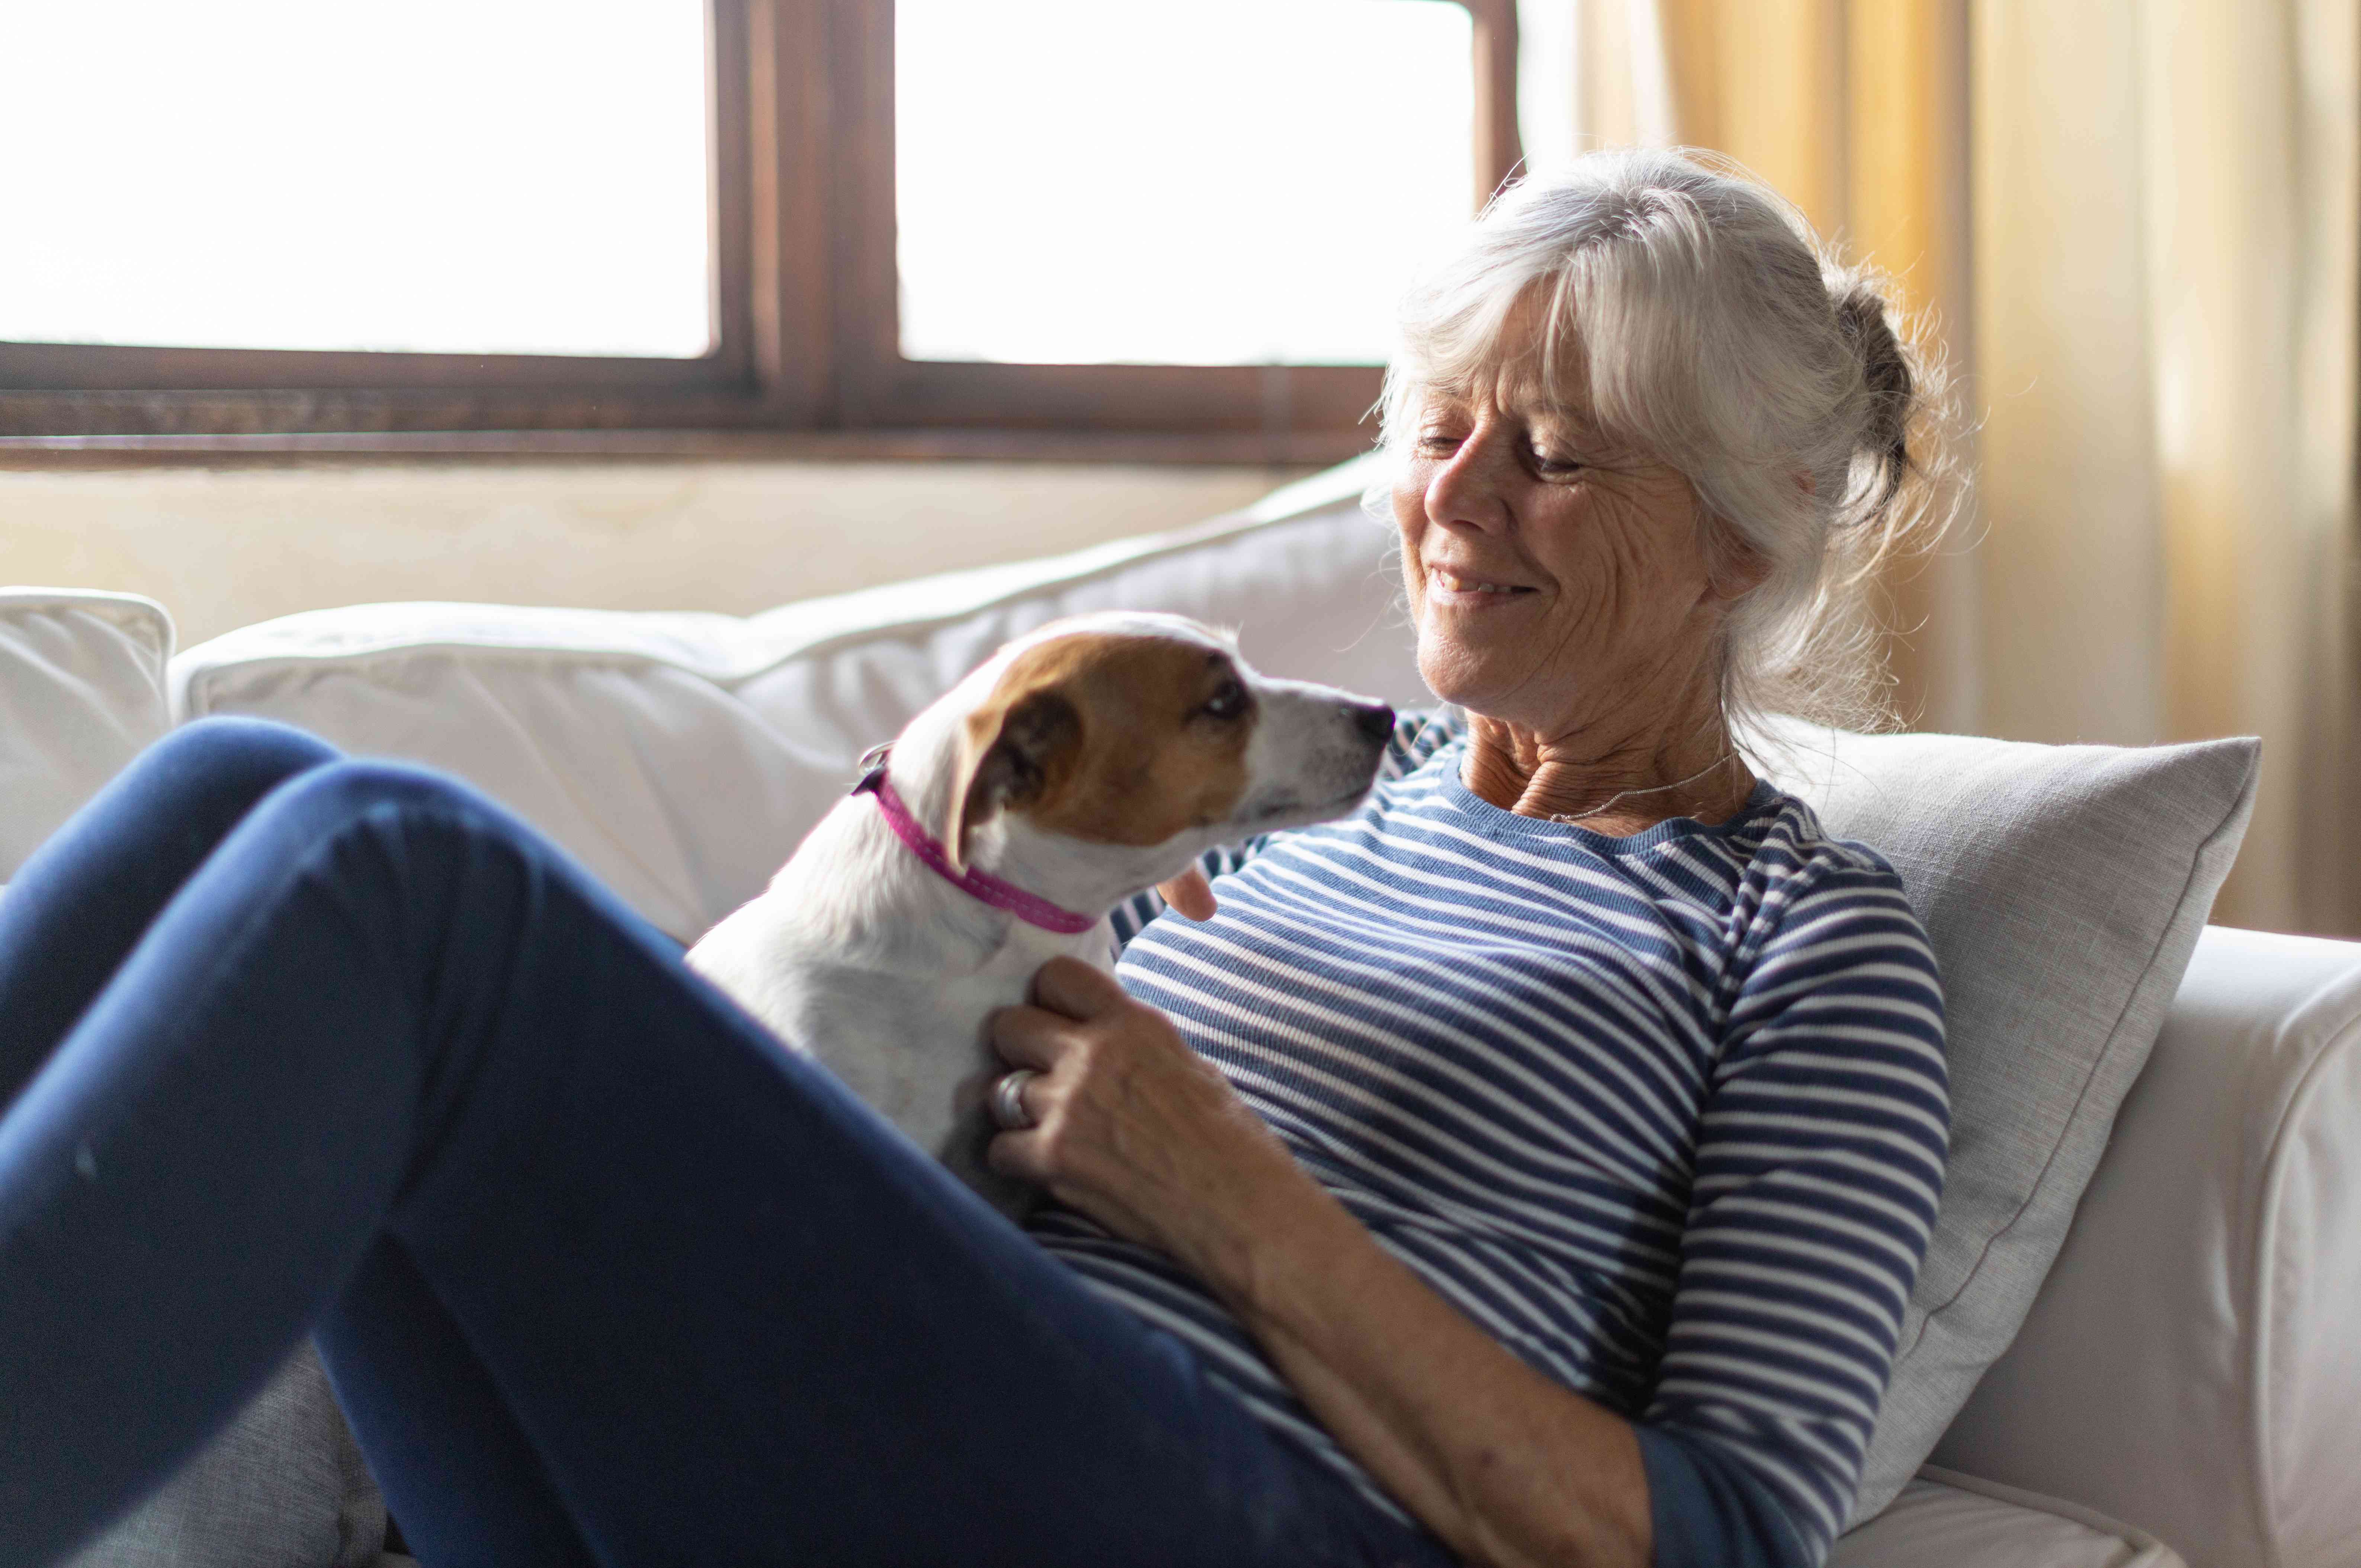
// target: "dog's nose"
[[1374, 720]]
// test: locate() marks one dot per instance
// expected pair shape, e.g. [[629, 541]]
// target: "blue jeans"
[[293, 1043]]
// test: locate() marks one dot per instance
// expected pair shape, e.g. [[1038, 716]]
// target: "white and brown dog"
[[1086, 762]]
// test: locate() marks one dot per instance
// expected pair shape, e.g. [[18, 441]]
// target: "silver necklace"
[[1618, 798]]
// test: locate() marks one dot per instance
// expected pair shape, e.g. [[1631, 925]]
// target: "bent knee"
[[347, 788], [388, 837], [250, 752], [419, 806]]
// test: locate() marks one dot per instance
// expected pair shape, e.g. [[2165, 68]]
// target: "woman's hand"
[[1132, 1127], [1144, 1136]]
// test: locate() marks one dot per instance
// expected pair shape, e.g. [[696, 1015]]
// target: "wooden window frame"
[[807, 355]]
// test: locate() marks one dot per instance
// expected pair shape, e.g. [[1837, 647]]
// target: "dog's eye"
[[1229, 702]]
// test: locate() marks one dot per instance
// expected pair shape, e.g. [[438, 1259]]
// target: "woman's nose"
[[1466, 487]]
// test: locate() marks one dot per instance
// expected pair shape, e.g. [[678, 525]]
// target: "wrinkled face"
[[1549, 571], [1149, 731]]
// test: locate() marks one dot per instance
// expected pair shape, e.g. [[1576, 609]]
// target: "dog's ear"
[[1013, 750]]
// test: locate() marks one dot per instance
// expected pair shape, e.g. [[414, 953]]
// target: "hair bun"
[[1862, 312]]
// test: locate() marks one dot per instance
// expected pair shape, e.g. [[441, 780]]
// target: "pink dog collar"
[[992, 890]]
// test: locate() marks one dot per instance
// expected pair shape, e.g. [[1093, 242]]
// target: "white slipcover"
[[583, 720], [1961, 1521], [82, 691], [2193, 1361]]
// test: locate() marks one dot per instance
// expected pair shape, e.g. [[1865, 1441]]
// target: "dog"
[[1081, 764]]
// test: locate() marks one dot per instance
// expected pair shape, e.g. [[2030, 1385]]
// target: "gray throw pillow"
[[284, 1486], [2063, 888]]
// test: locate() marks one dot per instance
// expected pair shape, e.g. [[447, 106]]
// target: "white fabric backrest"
[[82, 691], [1308, 582], [682, 757]]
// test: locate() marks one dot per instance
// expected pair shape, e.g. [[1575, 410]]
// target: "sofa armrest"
[[82, 691], [2189, 1364]]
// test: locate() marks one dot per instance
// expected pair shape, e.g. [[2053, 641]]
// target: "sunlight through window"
[[1174, 181], [463, 176]]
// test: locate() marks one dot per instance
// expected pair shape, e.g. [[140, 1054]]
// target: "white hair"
[[1691, 312]]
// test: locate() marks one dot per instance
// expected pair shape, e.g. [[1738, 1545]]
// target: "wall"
[[223, 547]]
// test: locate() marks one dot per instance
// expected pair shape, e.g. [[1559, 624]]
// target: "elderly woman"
[[1530, 1168]]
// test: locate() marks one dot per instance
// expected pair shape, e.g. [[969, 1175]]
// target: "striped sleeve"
[[1818, 1166], [1418, 735]]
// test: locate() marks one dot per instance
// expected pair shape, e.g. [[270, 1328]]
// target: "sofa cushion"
[[82, 691], [2063, 888], [1957, 1521], [682, 757], [284, 1486]]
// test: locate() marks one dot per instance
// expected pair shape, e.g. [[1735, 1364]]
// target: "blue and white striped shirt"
[[1664, 1115]]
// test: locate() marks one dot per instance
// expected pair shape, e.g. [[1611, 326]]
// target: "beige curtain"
[[2137, 227]]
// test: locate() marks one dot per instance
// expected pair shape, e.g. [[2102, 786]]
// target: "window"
[[542, 190], [1165, 226], [1183, 182]]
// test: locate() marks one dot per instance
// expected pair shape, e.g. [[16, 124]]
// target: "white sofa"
[[2187, 1387]]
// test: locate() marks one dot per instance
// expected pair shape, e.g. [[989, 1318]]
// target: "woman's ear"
[[1733, 568], [1737, 568], [1741, 570], [1010, 747]]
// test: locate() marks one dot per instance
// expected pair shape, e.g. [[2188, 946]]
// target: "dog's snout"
[[1374, 720]]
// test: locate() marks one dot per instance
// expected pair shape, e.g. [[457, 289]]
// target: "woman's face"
[[1555, 579]]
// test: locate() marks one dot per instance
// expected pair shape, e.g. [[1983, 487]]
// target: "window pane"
[[465, 176], [1174, 181]]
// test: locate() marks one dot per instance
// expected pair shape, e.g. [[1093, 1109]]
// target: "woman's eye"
[[1549, 463], [1228, 702]]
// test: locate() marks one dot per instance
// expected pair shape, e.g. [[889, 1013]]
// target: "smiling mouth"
[[1457, 584]]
